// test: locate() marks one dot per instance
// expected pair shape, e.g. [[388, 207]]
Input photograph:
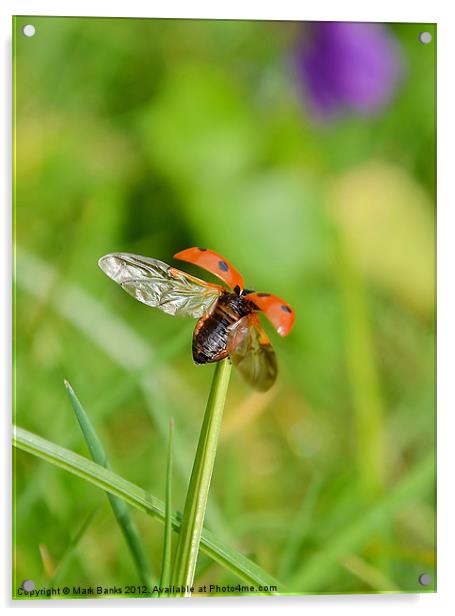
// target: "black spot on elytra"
[[237, 289], [285, 308], [202, 249], [263, 294], [224, 267]]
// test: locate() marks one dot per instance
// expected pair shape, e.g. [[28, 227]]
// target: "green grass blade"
[[71, 548], [201, 475], [363, 376], [166, 566], [299, 529], [319, 570], [108, 481], [120, 509]]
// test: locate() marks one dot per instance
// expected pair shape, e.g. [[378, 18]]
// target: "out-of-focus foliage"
[[150, 136]]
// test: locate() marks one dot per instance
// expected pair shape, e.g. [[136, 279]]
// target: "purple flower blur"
[[347, 66]]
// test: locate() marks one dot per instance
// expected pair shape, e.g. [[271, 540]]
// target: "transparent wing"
[[156, 284], [252, 354]]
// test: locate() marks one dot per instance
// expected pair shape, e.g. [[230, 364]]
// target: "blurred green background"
[[150, 136]]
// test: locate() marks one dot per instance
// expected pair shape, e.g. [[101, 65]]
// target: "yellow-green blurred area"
[[151, 136]]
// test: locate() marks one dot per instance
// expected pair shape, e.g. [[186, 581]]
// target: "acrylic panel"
[[254, 416]]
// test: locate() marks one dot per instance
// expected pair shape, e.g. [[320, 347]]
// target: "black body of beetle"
[[210, 336]]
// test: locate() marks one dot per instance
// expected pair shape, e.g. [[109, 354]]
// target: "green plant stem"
[[198, 489]]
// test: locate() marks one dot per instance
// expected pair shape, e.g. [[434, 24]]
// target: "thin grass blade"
[[319, 570], [299, 530], [121, 512], [71, 548], [81, 467], [166, 566]]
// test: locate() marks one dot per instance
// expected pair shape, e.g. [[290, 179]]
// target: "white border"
[[348, 10], [386, 10]]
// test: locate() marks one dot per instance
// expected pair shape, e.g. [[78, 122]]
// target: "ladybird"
[[228, 322]]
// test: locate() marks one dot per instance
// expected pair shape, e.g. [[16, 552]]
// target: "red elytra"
[[213, 263], [278, 312]]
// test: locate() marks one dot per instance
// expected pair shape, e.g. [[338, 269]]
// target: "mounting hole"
[[425, 37], [28, 585], [425, 579], [28, 30]]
